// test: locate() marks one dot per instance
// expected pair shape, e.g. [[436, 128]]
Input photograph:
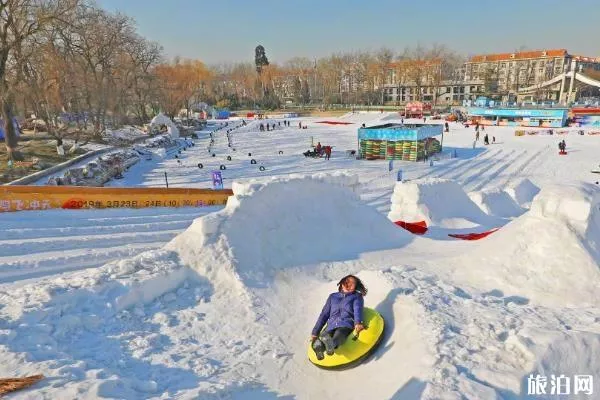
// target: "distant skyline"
[[229, 30]]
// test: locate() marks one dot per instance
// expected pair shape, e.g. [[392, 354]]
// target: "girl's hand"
[[358, 327], [313, 338]]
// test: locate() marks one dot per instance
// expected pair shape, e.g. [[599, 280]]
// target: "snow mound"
[[392, 116], [549, 254], [577, 207], [162, 119], [438, 202], [567, 352], [370, 117], [100, 326], [497, 203], [523, 192], [286, 222]]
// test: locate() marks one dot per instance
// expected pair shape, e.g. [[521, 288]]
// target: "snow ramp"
[[438, 202], [523, 192], [288, 222], [497, 203], [366, 117], [548, 255]]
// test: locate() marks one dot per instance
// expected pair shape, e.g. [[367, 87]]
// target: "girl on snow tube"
[[343, 313]]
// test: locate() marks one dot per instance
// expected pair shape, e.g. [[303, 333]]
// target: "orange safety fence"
[[21, 198]]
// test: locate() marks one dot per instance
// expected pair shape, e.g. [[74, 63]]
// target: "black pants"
[[339, 335]]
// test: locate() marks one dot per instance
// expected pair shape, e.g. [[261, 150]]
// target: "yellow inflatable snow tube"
[[353, 351]]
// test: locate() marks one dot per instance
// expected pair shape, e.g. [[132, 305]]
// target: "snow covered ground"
[[225, 308]]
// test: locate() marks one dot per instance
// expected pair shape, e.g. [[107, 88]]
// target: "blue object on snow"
[[15, 124]]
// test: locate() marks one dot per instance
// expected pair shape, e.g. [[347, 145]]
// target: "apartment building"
[[506, 73], [408, 81]]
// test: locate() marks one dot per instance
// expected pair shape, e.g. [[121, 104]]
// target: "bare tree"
[[384, 59], [21, 21]]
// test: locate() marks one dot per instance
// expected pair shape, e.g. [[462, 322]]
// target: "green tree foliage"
[[260, 58]]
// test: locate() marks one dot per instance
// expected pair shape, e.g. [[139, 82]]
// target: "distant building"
[[442, 93], [423, 80], [529, 75]]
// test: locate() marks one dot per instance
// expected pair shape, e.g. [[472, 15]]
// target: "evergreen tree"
[[260, 58]]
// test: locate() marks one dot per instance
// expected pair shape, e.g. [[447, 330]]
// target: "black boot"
[[318, 348], [329, 344]]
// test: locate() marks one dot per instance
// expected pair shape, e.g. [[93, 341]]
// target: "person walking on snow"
[[486, 139], [342, 313], [327, 152], [318, 148]]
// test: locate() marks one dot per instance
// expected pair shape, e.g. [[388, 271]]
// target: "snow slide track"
[[40, 243]]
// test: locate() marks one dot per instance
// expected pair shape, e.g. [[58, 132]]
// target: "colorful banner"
[[587, 120], [512, 113], [22, 198]]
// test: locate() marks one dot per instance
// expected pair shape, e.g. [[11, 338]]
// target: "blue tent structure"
[[411, 142], [221, 114], [15, 124]]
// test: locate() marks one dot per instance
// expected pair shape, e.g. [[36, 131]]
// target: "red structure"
[[417, 109], [418, 228]]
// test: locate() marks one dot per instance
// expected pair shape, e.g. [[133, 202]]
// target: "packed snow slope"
[[39, 243], [290, 227], [226, 308], [551, 249], [517, 166], [438, 202]]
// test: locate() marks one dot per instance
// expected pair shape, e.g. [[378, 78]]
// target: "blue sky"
[[229, 30]]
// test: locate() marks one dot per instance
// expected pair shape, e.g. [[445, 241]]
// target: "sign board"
[[22, 198], [503, 112], [217, 180]]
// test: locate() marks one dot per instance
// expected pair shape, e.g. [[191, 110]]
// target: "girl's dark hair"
[[360, 287]]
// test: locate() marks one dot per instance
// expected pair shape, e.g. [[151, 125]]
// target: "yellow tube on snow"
[[352, 352]]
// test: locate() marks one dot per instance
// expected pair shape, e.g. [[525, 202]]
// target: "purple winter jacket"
[[341, 310]]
